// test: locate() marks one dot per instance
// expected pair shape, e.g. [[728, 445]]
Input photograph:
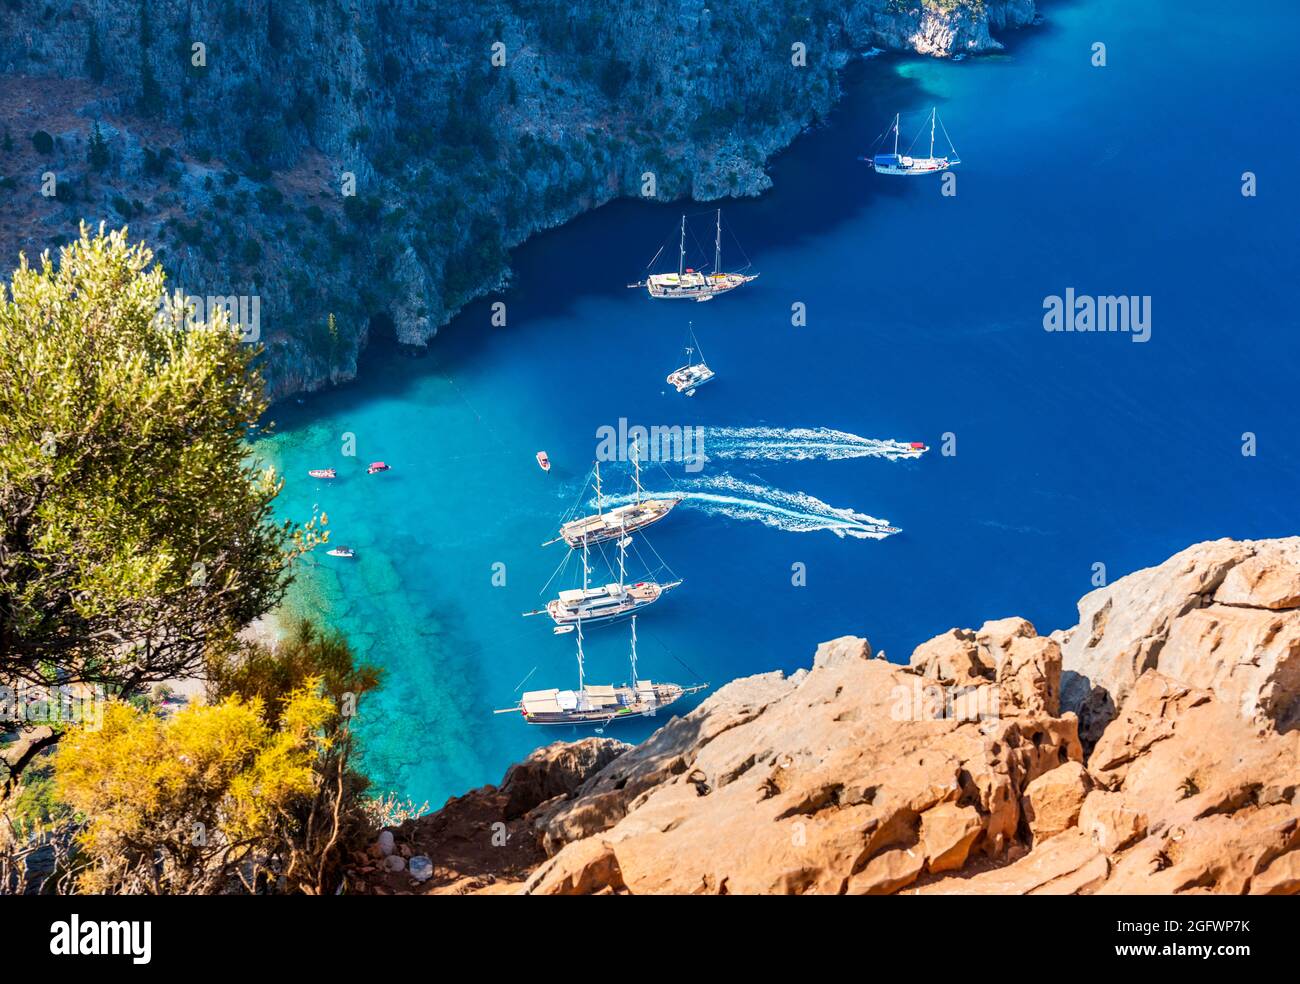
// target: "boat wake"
[[794, 512], [799, 444]]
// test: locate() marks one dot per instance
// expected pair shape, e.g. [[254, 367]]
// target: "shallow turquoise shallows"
[[924, 319]]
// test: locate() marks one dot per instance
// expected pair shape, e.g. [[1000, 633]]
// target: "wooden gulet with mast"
[[599, 705], [619, 521], [694, 285], [897, 163]]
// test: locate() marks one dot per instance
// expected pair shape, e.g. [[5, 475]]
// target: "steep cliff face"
[[377, 160], [962, 772]]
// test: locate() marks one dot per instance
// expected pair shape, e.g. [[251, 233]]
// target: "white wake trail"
[[794, 512], [800, 444]]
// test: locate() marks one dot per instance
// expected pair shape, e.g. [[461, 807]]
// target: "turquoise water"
[[924, 319]]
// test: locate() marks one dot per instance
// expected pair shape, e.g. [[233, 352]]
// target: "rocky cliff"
[[376, 160], [962, 772]]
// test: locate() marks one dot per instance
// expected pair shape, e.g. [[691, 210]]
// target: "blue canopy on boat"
[[886, 160]]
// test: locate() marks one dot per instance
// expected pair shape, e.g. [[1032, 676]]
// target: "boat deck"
[[616, 522], [600, 704]]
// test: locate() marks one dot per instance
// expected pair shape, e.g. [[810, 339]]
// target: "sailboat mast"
[[934, 111], [585, 582], [581, 668], [896, 116], [622, 554], [633, 657], [717, 246], [599, 509], [636, 468], [681, 251]]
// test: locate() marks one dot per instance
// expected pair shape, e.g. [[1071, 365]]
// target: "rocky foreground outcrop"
[[1152, 748]]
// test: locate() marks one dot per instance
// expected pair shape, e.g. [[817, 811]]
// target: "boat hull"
[[694, 287], [684, 382], [635, 598], [630, 704], [616, 523], [932, 166]]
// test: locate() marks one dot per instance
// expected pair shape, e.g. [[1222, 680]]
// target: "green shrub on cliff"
[[136, 533]]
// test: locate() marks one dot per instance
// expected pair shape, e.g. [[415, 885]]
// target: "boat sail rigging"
[[599, 705], [691, 375], [897, 163], [619, 521], [695, 285], [606, 602]]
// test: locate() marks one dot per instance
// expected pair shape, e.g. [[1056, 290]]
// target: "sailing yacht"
[[619, 521], [599, 705], [694, 285], [692, 375], [896, 163], [606, 602]]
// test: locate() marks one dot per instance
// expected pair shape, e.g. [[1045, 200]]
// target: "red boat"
[[321, 473], [376, 467], [918, 446], [543, 461]]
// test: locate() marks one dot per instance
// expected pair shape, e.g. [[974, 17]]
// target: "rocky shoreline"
[[1152, 748], [381, 189]]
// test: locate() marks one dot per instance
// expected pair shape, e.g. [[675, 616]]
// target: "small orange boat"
[[543, 461]]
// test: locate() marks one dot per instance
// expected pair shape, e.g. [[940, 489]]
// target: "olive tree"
[[136, 531]]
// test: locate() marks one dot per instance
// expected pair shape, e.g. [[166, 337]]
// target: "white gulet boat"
[[618, 522], [694, 374], [606, 602], [897, 163], [599, 705], [694, 285]]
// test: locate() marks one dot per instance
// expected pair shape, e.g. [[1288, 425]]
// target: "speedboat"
[[341, 552], [322, 473], [376, 467], [543, 462]]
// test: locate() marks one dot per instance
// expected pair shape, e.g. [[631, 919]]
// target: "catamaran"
[[694, 374], [618, 522], [690, 284], [599, 704], [897, 163]]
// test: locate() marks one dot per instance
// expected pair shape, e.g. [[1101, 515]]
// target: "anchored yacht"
[[599, 705], [694, 374], [690, 284], [618, 522], [897, 163]]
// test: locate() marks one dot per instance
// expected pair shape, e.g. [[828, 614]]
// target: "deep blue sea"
[[924, 318]]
